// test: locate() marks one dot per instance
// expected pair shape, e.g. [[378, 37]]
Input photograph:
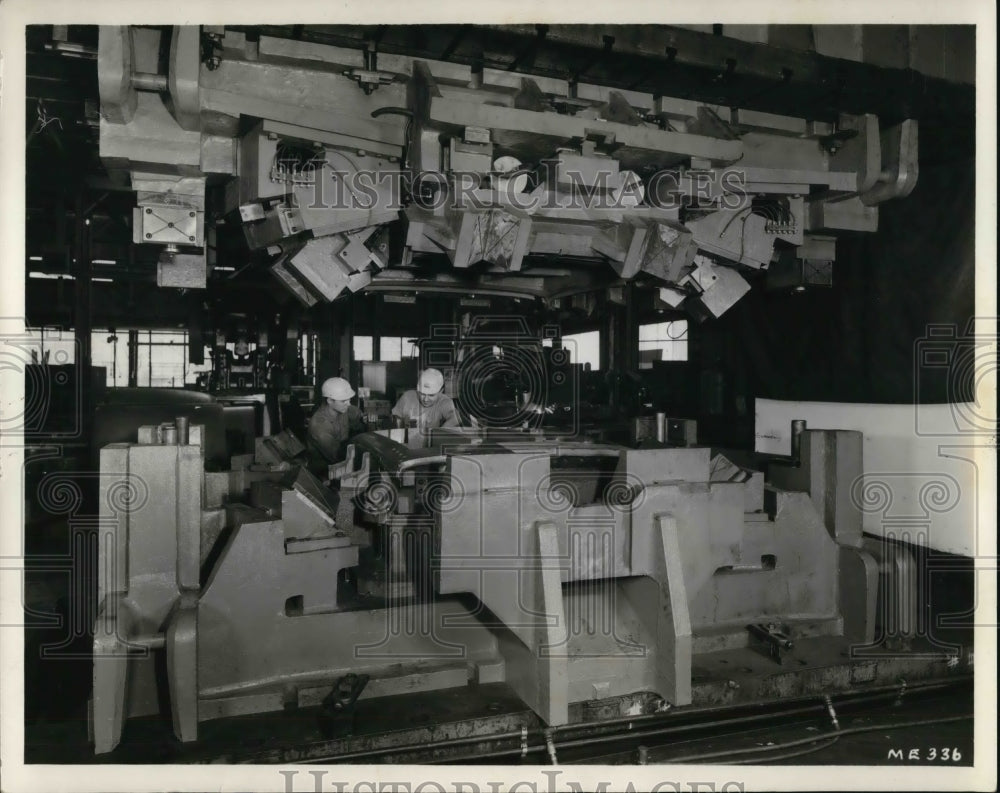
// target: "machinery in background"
[[239, 369], [607, 572], [259, 363], [346, 177]]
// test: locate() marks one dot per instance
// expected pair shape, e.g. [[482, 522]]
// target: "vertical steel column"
[[346, 327], [622, 342], [133, 358], [609, 339], [81, 306], [630, 332], [377, 305]]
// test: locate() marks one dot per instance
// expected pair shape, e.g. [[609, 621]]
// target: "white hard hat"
[[431, 381], [337, 388], [504, 184]]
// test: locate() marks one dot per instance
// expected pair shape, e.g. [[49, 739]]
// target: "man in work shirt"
[[333, 424], [426, 407]]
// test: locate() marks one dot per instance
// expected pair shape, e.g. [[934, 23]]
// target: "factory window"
[[162, 358], [390, 348], [663, 341], [308, 353], [162, 355], [364, 348], [397, 348], [47, 345], [109, 349], [584, 348]]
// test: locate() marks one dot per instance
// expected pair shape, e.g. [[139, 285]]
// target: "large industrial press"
[[595, 571], [573, 571]]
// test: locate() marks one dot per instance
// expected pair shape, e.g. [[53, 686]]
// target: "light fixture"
[[54, 276], [103, 280], [35, 258], [103, 261]]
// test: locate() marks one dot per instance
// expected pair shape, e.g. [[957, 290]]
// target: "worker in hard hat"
[[426, 407], [333, 424]]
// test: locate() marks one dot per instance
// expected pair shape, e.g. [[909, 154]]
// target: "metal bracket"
[[902, 691], [369, 78], [773, 637], [336, 717]]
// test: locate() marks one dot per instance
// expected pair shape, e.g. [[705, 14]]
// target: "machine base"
[[457, 723]]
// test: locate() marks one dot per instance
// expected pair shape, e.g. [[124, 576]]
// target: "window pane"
[[390, 348], [121, 359], [363, 348], [651, 332], [111, 351], [169, 355], [662, 341], [142, 367], [162, 357], [55, 346], [30, 346], [584, 348]]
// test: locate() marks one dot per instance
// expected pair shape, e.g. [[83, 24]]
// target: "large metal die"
[[618, 595], [612, 588], [610, 571], [758, 181], [265, 628]]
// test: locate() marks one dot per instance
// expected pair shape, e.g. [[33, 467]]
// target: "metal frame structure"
[[373, 163]]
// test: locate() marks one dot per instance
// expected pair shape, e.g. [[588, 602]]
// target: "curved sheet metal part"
[[393, 457], [388, 455]]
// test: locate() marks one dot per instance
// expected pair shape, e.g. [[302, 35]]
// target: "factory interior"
[[621, 325]]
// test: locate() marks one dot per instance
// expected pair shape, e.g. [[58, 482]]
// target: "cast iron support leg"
[[674, 645]]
